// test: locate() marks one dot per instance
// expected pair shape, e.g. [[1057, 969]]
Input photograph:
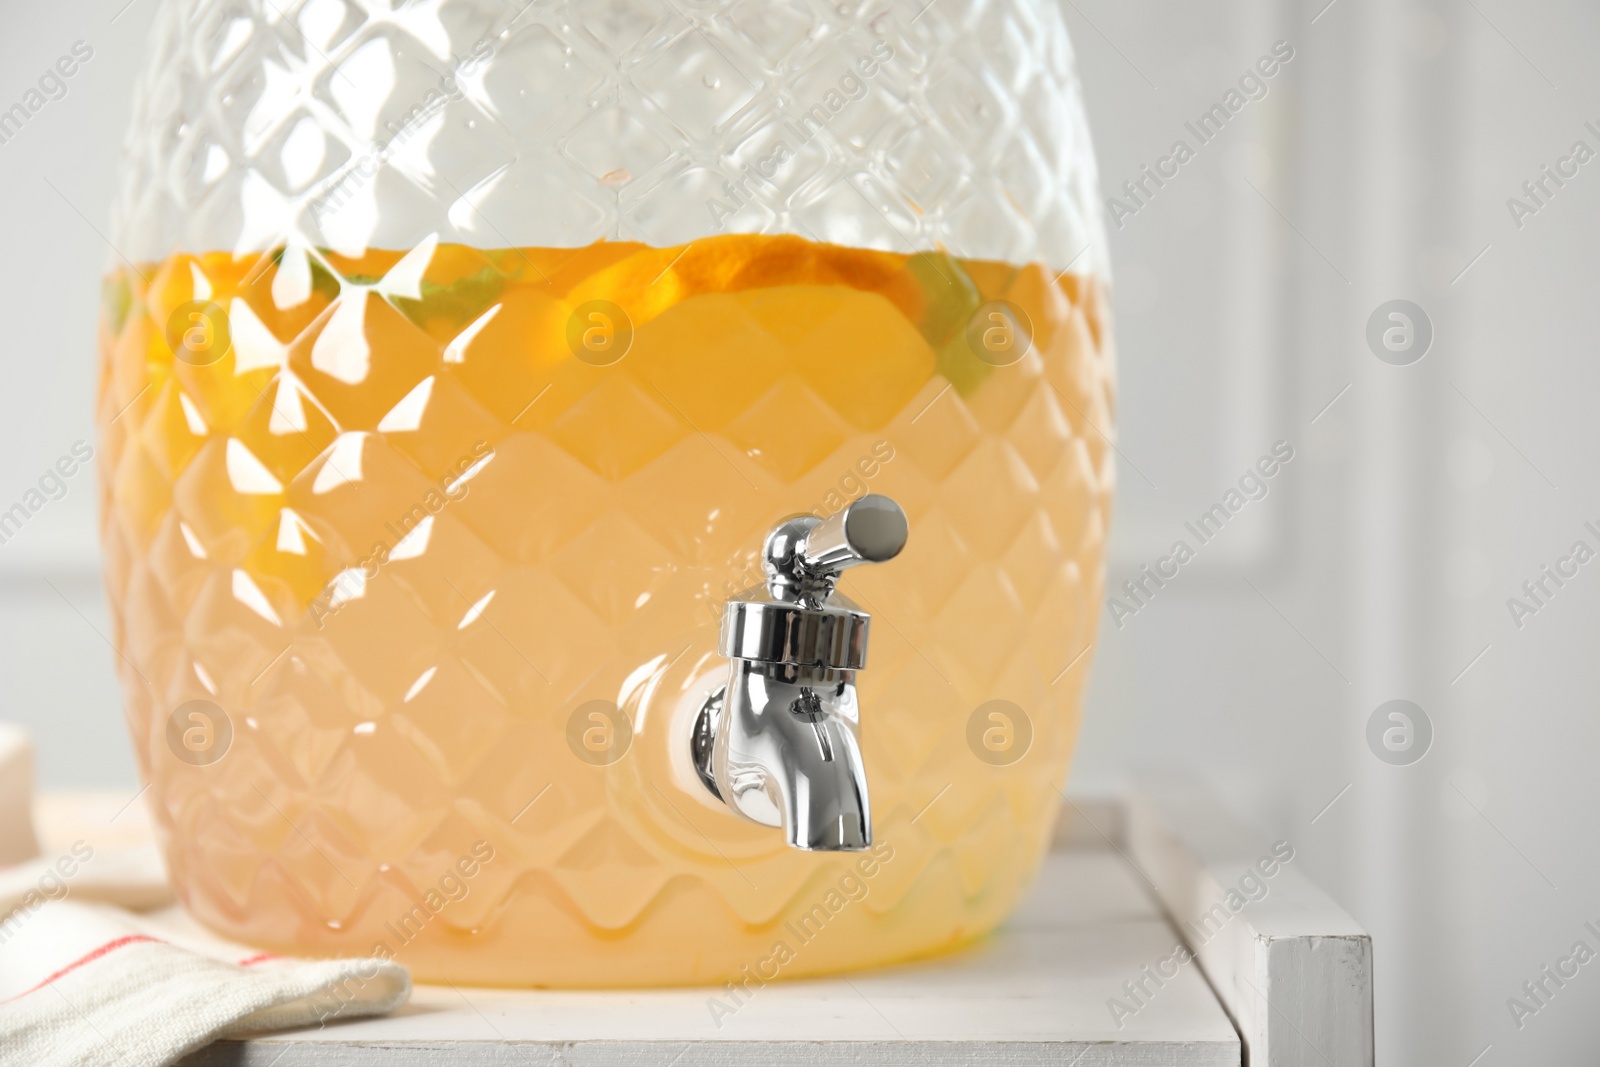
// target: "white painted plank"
[[726, 1054], [1035, 993], [1293, 969]]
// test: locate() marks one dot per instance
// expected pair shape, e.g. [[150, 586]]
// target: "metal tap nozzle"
[[778, 743]]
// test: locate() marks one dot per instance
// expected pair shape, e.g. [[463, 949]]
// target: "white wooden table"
[[1285, 981], [1034, 994]]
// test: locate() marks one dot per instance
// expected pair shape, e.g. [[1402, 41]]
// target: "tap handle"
[[870, 530]]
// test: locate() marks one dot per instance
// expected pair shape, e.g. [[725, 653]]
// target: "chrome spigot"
[[778, 743]]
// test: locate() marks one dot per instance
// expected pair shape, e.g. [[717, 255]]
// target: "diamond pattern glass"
[[380, 509]]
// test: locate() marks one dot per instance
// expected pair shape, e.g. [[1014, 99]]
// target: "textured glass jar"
[[458, 357]]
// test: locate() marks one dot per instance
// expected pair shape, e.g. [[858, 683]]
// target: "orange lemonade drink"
[[415, 561]]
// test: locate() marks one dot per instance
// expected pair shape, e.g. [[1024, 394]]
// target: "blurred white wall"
[[1376, 167], [57, 174]]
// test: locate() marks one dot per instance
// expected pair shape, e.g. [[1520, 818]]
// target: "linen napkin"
[[86, 983]]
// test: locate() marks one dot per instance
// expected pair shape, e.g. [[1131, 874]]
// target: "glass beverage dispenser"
[[496, 402]]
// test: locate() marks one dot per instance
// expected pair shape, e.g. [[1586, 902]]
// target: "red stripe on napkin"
[[108, 947]]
